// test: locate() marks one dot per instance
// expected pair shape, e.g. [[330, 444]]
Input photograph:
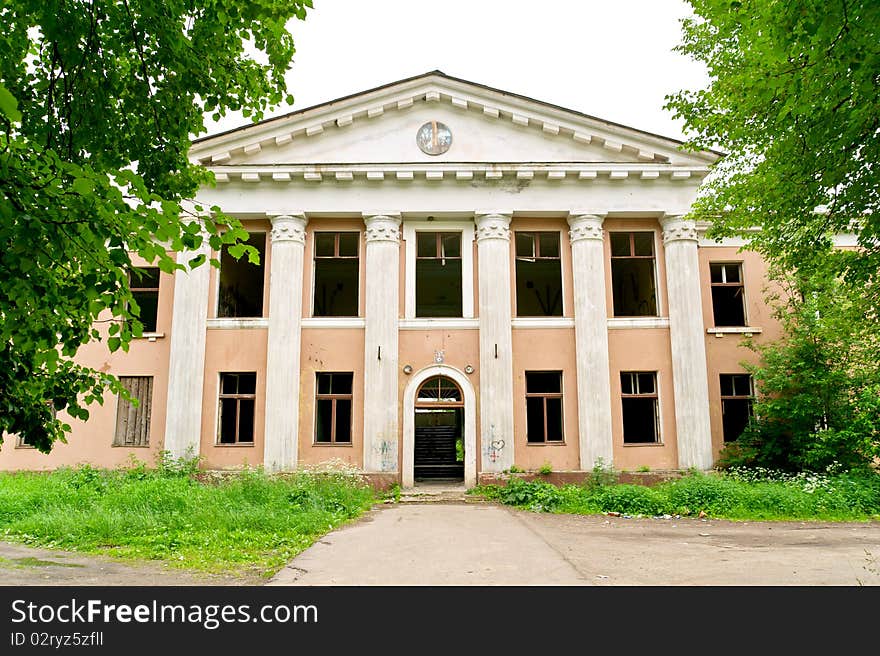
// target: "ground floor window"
[[238, 393], [641, 407], [543, 406], [133, 419], [737, 395], [333, 407]]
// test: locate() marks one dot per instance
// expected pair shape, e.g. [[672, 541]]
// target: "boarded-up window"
[[133, 420]]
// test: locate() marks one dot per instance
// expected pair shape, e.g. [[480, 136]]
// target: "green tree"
[[98, 102], [818, 387], [793, 99]]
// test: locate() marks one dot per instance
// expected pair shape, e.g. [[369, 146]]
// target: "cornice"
[[518, 173]]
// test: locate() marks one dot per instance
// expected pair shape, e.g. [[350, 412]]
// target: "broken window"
[[538, 275], [144, 286], [133, 420], [737, 395], [336, 274], [728, 306], [241, 283], [438, 274], [632, 274], [238, 393], [641, 407], [543, 406], [333, 408]]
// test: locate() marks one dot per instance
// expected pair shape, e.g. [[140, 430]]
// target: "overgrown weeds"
[[736, 494], [245, 522]]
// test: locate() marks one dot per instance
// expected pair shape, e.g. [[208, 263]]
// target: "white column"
[[689, 377], [283, 352], [186, 367], [381, 317], [496, 341], [591, 340]]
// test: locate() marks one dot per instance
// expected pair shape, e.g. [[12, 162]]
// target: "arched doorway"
[[467, 413], [438, 431]]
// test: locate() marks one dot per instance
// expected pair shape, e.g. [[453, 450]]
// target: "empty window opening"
[[336, 274], [133, 420], [538, 275], [737, 396], [543, 406], [728, 297], [144, 286], [438, 274], [333, 407], [241, 283], [641, 407], [238, 393], [633, 279]]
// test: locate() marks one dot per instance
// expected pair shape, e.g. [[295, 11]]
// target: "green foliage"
[[753, 494], [792, 97], [244, 522], [97, 105], [516, 470], [533, 495], [818, 404], [601, 475], [545, 469]]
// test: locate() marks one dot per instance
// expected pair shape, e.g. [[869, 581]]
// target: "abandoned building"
[[453, 280]]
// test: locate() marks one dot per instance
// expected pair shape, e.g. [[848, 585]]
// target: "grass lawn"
[[247, 523], [743, 495]]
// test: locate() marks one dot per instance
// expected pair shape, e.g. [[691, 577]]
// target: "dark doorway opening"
[[439, 438]]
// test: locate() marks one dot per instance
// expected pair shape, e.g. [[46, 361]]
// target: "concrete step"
[[434, 493]]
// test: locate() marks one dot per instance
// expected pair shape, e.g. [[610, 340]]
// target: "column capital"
[[585, 226], [493, 225], [382, 226], [678, 228], [288, 227]]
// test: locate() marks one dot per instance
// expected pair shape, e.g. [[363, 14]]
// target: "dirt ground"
[[485, 544], [22, 565]]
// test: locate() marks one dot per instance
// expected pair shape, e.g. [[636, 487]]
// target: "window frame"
[[658, 418], [536, 234], [545, 396], [132, 279], [741, 284], [334, 398], [239, 397], [315, 257], [654, 268], [750, 398], [439, 255], [266, 278], [410, 230]]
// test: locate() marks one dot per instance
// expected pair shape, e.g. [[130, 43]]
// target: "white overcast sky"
[[612, 59]]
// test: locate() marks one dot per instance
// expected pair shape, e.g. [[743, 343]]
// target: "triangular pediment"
[[487, 125]]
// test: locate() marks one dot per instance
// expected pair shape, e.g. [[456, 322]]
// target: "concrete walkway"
[[486, 544], [431, 544]]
